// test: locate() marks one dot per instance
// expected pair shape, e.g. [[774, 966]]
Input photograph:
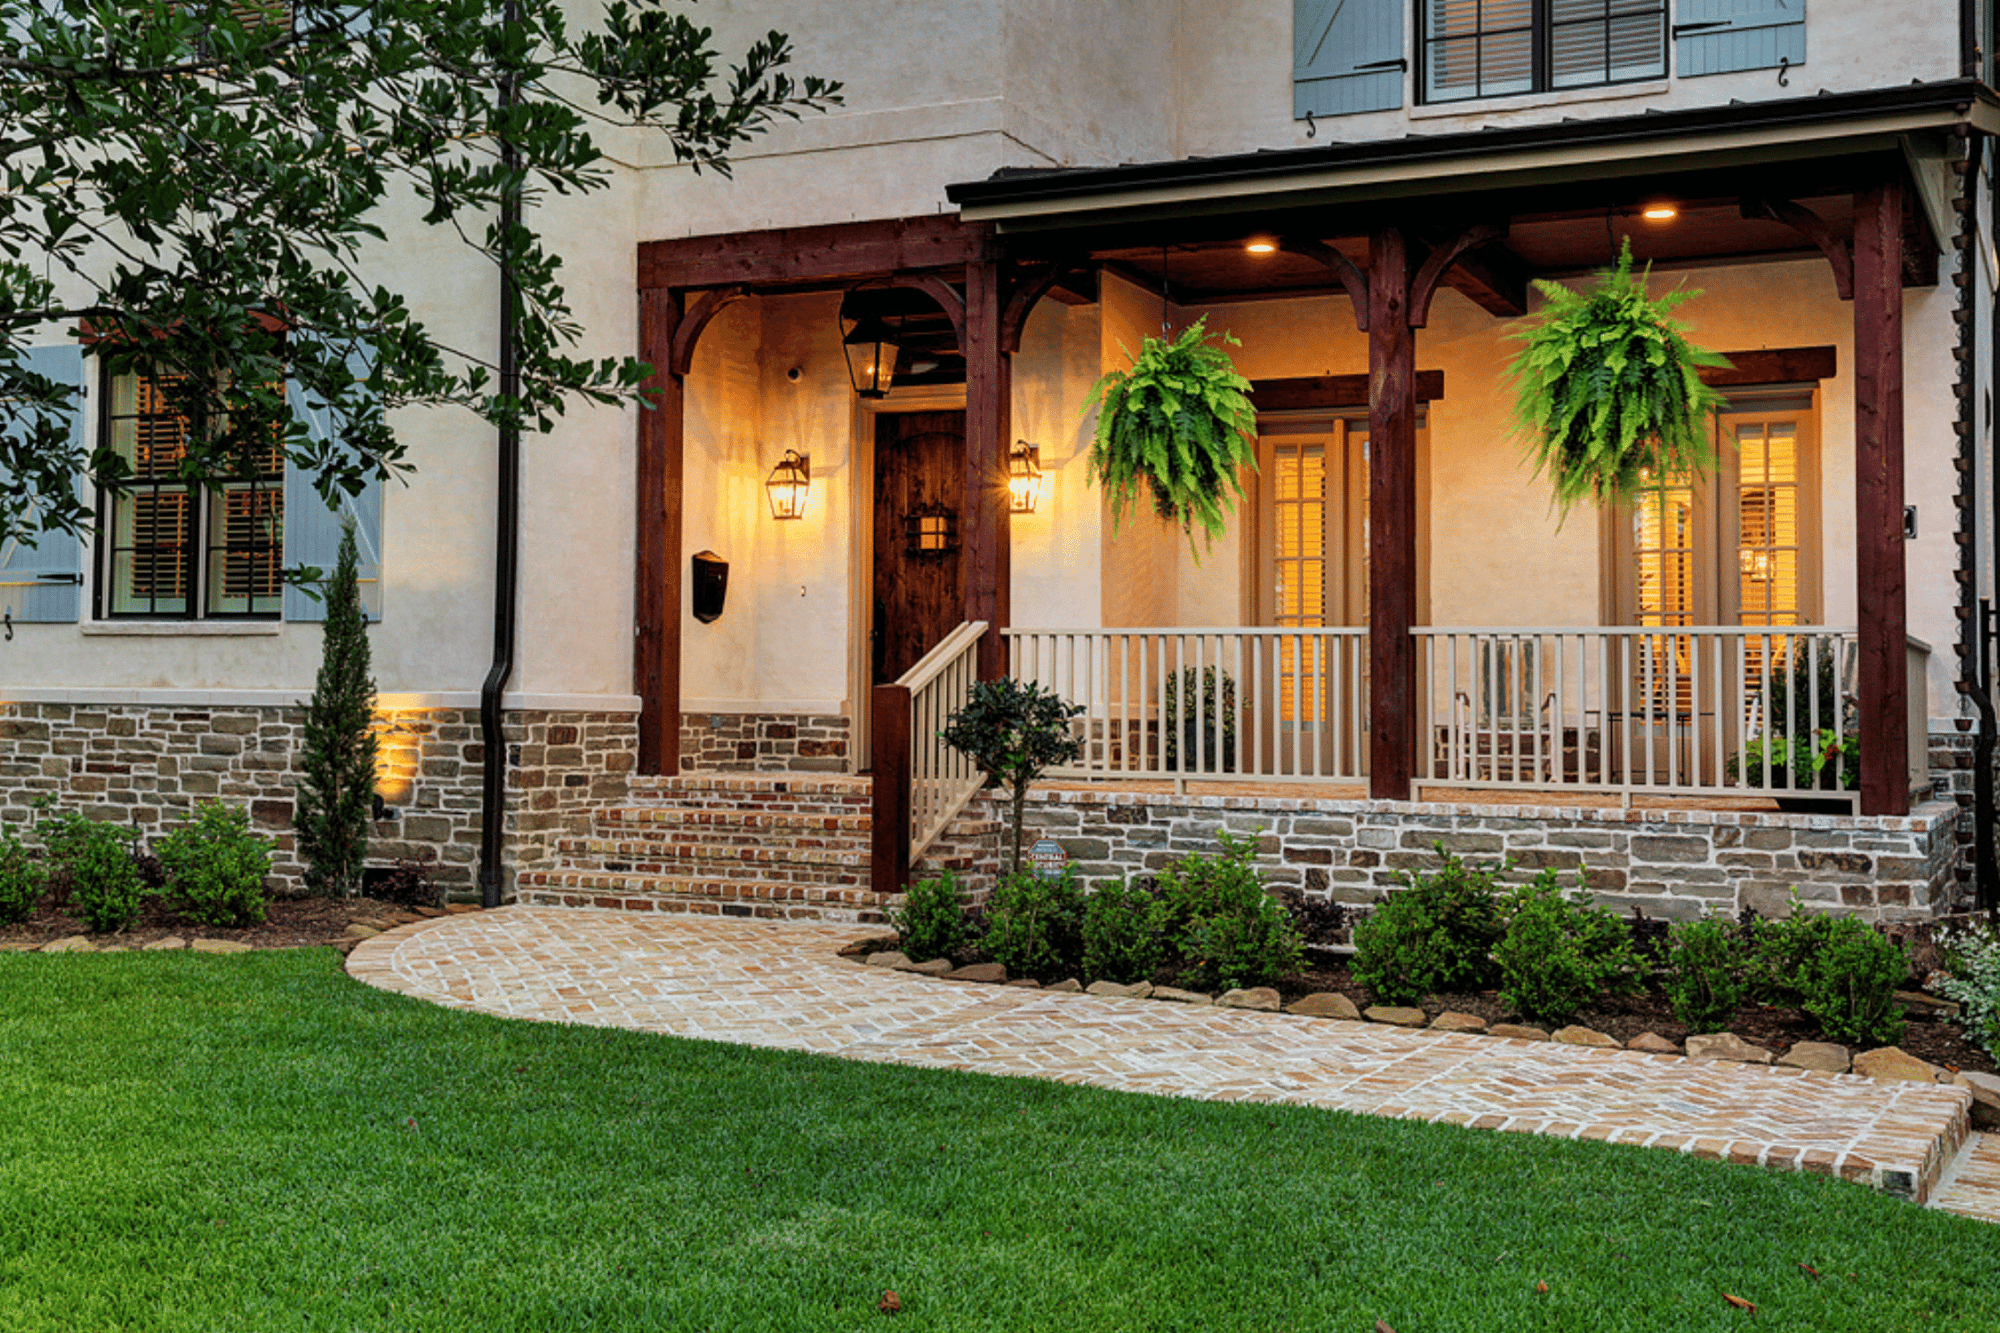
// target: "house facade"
[[875, 350]]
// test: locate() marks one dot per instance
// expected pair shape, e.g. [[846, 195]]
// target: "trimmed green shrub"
[[1781, 950], [1035, 926], [1848, 986], [1123, 932], [1707, 965], [931, 921], [96, 864], [216, 868], [1229, 932], [21, 879], [1972, 958], [1013, 732], [1559, 953], [1433, 936]]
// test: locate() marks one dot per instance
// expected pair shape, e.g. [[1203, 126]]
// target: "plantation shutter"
[[312, 530], [1347, 56], [43, 583], [1717, 36]]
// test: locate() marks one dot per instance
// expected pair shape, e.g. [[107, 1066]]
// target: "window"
[[1491, 48], [173, 549]]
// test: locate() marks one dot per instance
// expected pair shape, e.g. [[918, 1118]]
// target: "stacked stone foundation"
[[764, 743]]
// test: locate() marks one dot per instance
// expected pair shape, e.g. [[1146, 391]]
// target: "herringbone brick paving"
[[782, 985]]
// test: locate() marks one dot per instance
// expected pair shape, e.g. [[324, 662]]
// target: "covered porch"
[[1340, 645]]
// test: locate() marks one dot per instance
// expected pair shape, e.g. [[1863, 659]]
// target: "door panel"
[[920, 479]]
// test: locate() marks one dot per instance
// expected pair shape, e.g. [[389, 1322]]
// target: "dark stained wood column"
[[1392, 517], [656, 649], [1882, 682], [984, 533]]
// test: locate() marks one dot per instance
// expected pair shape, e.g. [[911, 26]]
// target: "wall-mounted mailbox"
[[711, 586]]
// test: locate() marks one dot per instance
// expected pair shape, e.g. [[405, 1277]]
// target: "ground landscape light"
[[1659, 212], [1262, 245], [788, 485]]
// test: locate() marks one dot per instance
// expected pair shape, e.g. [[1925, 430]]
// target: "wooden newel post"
[[1392, 518], [889, 748], [1882, 681]]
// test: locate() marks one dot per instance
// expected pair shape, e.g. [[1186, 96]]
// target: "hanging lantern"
[[1024, 477], [871, 355], [788, 485]]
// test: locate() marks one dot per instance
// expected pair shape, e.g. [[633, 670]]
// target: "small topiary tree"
[[1014, 732], [336, 789]]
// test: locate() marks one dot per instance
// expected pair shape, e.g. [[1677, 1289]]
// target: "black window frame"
[[1541, 28], [202, 545]]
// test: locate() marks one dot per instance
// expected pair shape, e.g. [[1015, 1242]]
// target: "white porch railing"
[[1695, 710], [942, 778], [1214, 703]]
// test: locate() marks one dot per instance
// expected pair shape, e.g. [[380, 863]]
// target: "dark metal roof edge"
[[1019, 186]]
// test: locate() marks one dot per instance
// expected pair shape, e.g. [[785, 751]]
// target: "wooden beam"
[[1316, 392], [1392, 518], [1882, 676], [985, 543], [1773, 365], [1439, 261], [889, 756], [1494, 279], [693, 322], [1839, 253], [656, 613], [845, 251]]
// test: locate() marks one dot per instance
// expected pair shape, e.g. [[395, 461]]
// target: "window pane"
[[246, 542], [1506, 63], [1454, 70]]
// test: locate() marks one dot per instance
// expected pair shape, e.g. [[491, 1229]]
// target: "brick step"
[[830, 785], [769, 861], [617, 841], [659, 821], [634, 892]]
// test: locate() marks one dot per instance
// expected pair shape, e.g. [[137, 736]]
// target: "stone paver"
[[780, 984], [1973, 1186]]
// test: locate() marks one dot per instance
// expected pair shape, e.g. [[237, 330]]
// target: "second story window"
[[174, 549], [1494, 48]]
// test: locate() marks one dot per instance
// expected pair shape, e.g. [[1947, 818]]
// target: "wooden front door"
[[919, 494]]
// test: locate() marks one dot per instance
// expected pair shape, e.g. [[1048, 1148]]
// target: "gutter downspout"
[[507, 543]]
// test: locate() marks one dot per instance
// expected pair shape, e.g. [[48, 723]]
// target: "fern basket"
[[1608, 389], [1178, 426]]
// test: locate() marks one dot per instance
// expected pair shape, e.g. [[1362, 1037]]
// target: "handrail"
[[938, 658], [921, 783]]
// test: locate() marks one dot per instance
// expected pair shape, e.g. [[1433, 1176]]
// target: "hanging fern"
[[1608, 389], [1178, 423]]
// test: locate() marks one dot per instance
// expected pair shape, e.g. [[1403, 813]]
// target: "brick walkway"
[[781, 985]]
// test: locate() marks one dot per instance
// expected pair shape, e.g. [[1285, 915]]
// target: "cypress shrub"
[[336, 789]]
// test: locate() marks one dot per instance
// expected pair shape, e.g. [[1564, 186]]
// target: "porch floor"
[[783, 985]]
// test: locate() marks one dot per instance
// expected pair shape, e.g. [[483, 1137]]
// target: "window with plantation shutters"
[[1498, 48]]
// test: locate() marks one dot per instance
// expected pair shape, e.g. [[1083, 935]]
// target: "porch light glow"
[[871, 356], [788, 485], [1024, 477], [1659, 212], [1262, 245]]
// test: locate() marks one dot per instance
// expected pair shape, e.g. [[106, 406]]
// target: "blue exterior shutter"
[[1717, 36], [43, 583], [312, 531], [1347, 56]]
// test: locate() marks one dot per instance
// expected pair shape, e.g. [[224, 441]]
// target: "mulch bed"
[[292, 923]]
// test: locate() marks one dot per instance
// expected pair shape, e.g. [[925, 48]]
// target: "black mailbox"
[[711, 586]]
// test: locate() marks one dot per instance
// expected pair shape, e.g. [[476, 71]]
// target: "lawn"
[[257, 1142]]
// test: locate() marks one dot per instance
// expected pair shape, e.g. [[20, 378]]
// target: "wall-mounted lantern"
[[1024, 477], [788, 485], [871, 355]]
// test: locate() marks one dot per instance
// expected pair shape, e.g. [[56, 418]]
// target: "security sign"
[[1048, 859]]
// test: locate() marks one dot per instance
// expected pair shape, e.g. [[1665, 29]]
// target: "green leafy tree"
[[1013, 733], [200, 181], [1608, 389], [336, 788]]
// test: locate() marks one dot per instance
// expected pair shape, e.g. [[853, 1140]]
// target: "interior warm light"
[[1659, 212], [1262, 246]]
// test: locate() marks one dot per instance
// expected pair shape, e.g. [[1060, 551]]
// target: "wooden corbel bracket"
[[1425, 284], [1839, 251], [681, 354], [1343, 268]]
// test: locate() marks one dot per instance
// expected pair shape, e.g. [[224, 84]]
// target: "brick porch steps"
[[781, 846]]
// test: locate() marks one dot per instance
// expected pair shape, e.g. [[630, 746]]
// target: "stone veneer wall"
[[764, 743], [1672, 863], [150, 766]]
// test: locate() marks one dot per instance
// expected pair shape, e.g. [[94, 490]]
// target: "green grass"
[[257, 1142]]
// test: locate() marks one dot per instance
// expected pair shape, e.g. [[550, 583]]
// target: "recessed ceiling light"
[[1262, 246], [1659, 212]]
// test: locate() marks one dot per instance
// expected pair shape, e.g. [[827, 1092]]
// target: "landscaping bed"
[[289, 923]]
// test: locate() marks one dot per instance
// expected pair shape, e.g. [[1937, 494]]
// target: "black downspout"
[[507, 542]]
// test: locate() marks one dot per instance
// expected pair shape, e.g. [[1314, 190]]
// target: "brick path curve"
[[781, 984]]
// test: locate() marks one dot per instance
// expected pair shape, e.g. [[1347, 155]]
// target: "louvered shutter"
[[43, 583], [1347, 56], [1717, 36], [312, 530]]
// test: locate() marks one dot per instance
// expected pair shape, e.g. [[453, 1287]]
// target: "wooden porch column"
[[986, 558], [1392, 518], [656, 650], [1882, 681]]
